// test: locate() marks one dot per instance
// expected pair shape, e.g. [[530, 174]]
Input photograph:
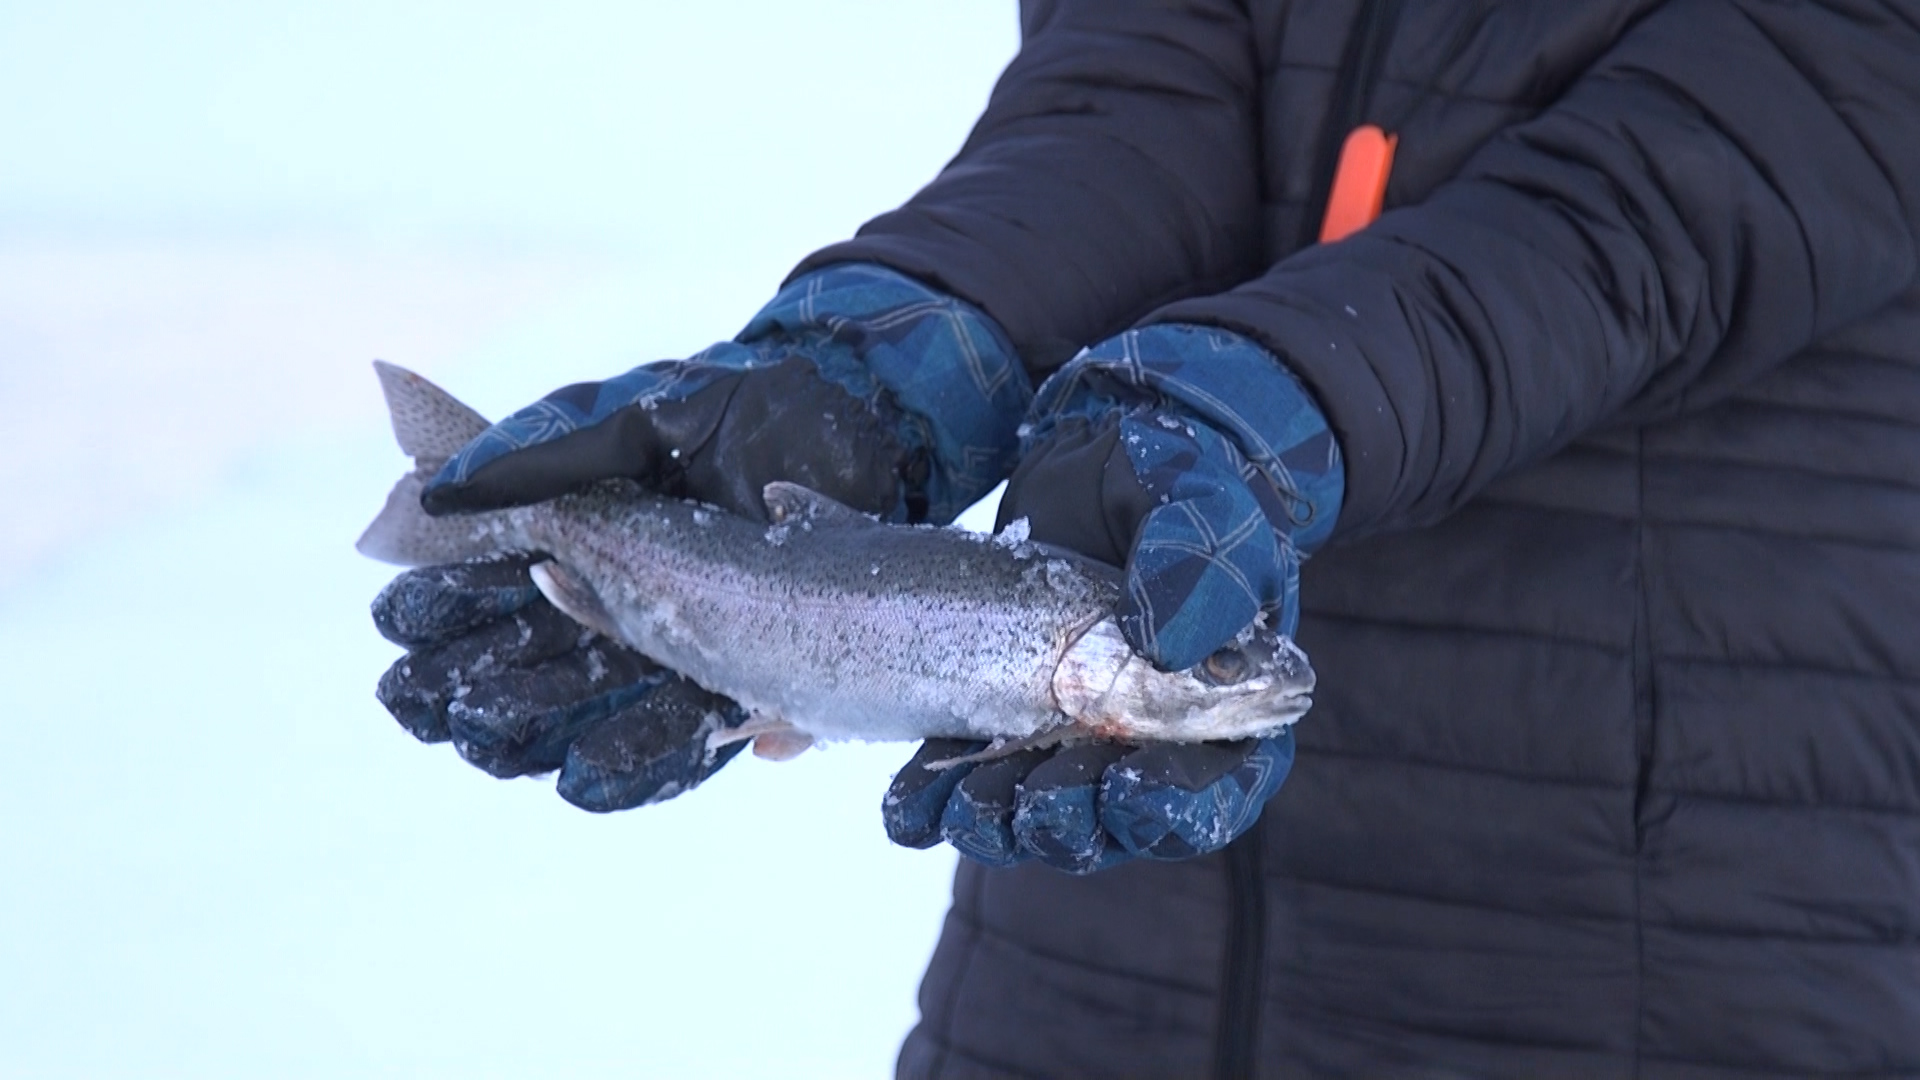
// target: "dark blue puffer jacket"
[[1615, 770]]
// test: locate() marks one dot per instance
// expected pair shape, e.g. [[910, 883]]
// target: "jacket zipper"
[[1237, 1038], [1352, 90], [1243, 967]]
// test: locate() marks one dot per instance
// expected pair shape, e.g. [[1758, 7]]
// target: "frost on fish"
[[827, 624]]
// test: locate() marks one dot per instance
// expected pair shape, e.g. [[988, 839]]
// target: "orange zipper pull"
[[1359, 182]]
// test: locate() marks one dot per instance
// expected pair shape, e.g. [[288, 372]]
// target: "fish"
[[826, 624]]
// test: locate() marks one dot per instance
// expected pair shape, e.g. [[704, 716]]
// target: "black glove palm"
[[520, 688]]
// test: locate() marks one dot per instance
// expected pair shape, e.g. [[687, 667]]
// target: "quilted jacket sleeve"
[[1732, 180], [1113, 171]]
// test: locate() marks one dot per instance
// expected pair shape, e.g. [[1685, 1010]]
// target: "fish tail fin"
[[430, 426]]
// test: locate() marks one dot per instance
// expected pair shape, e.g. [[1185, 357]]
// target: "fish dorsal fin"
[[790, 504], [429, 423]]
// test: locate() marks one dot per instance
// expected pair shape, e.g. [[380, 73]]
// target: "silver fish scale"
[[846, 629]]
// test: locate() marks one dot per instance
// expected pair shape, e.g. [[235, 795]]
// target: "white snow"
[[223, 859]]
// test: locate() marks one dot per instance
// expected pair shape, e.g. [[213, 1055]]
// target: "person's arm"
[[1730, 181], [1115, 170]]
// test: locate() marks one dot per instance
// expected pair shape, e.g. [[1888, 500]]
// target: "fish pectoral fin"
[[776, 731], [781, 745], [791, 503], [1000, 748], [570, 593]]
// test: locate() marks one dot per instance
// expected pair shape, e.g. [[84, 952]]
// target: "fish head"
[[1254, 686]]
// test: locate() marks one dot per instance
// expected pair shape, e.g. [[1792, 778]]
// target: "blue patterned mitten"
[[856, 381], [1194, 458]]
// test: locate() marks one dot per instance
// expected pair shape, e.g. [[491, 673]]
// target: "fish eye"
[[1225, 667]]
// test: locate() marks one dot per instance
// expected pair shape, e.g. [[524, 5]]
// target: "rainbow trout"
[[827, 624]]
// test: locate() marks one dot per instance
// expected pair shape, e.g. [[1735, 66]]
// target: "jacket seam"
[[1789, 665], [1824, 90], [1432, 1032], [1903, 942], [1319, 614], [968, 948], [948, 1048], [1794, 468], [1837, 349], [1404, 623], [1236, 1051], [1516, 503], [1908, 942], [1417, 761], [1750, 1069], [1511, 502], [1557, 918], [1832, 540], [1646, 697], [1677, 927], [1434, 92], [984, 931], [1858, 809], [1756, 400]]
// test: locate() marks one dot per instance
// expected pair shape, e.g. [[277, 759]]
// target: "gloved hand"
[[1192, 457], [520, 688], [855, 381]]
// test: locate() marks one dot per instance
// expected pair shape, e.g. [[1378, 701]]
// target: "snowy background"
[[218, 856]]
